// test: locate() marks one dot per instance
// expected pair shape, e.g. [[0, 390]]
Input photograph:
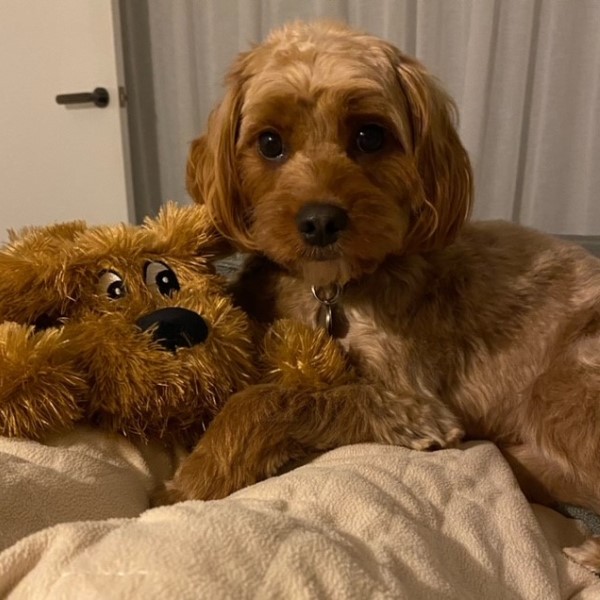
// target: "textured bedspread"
[[361, 522]]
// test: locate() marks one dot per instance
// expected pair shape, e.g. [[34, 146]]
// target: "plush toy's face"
[[157, 337]]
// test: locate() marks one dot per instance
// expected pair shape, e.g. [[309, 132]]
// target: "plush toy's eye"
[[111, 284], [161, 277]]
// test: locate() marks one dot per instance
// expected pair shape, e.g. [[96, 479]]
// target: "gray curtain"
[[525, 75]]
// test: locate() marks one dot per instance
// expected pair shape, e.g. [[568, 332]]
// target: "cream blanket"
[[360, 522]]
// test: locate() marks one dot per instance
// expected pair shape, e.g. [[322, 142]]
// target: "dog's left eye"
[[161, 277], [270, 145], [370, 138]]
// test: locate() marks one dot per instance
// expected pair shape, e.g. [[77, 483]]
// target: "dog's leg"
[[266, 426], [587, 554], [548, 481], [542, 478], [297, 357]]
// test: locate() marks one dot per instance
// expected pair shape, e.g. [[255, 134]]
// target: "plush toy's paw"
[[249, 440], [201, 477], [296, 355], [40, 388]]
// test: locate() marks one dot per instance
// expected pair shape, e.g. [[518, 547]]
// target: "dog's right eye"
[[270, 145]]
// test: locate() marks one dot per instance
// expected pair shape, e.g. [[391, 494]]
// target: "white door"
[[60, 163]]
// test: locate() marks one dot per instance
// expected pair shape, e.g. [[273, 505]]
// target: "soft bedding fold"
[[362, 521], [81, 475]]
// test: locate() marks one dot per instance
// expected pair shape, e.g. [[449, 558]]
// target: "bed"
[[363, 521]]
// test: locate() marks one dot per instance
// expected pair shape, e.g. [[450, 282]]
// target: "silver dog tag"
[[325, 318], [329, 315]]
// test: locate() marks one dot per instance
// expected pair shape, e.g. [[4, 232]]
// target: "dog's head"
[[330, 151]]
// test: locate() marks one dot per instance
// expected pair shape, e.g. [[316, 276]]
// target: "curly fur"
[[499, 323]]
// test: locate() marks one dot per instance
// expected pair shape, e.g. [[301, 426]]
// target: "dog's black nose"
[[320, 224], [175, 327]]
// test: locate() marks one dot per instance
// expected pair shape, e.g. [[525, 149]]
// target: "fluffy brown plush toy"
[[124, 327], [130, 329]]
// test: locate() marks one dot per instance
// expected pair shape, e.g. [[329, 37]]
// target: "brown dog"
[[334, 158]]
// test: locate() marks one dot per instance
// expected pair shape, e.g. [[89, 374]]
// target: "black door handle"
[[99, 97]]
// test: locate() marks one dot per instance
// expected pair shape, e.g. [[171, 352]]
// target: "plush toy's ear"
[[185, 230], [34, 288]]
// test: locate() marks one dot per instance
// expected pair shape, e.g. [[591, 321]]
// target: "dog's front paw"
[[426, 424], [437, 438]]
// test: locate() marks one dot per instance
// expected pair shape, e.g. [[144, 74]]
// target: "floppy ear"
[[35, 287], [212, 170], [195, 159], [441, 160]]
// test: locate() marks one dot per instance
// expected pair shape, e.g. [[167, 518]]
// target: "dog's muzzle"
[[320, 223], [175, 327]]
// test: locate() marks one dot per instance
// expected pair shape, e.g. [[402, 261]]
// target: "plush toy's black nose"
[[320, 224], [175, 327]]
